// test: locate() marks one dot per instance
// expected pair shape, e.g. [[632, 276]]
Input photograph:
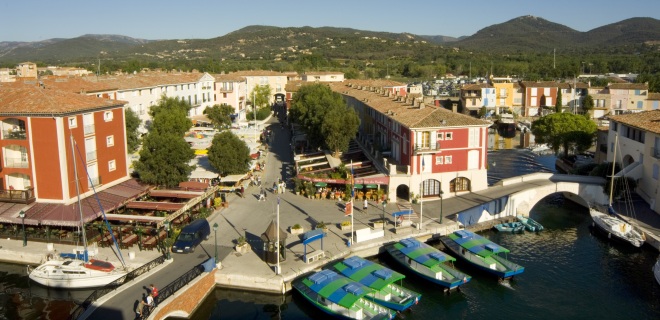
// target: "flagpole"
[[278, 236]]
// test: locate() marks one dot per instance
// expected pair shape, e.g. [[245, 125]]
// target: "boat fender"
[[609, 235], [464, 279], [416, 300]]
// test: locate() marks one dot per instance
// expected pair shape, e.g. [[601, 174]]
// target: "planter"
[[378, 224], [296, 231], [243, 248], [344, 227]]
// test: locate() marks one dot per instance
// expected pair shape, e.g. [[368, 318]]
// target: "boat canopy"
[[312, 235], [422, 253], [338, 289], [402, 213], [476, 243], [370, 274]]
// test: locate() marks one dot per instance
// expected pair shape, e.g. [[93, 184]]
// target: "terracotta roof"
[[539, 84], [629, 86], [477, 86], [152, 205], [653, 96], [122, 82], [404, 112], [32, 99], [228, 78], [320, 73], [646, 120], [258, 73], [294, 85], [375, 83]]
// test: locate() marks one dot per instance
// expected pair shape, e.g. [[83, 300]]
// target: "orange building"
[[36, 127]]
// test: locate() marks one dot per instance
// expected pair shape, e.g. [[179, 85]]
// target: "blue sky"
[[34, 20]]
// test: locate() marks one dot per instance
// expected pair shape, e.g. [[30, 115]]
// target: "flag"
[[422, 163], [348, 209], [352, 182]]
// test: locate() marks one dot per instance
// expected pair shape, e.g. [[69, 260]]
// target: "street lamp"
[[166, 223], [22, 216], [383, 215], [215, 236], [441, 193]]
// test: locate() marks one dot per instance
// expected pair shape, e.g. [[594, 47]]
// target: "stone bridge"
[[527, 190]]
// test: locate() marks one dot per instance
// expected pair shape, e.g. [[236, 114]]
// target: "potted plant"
[[296, 229], [242, 245], [345, 225], [413, 197], [298, 185], [378, 224], [322, 225]]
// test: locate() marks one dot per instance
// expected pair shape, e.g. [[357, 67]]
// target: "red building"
[[537, 95]]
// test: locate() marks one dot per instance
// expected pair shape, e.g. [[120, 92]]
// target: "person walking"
[[261, 195], [242, 192], [275, 187], [150, 302], [366, 205], [139, 310]]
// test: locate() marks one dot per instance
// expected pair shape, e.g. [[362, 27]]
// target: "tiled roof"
[[375, 83], [32, 99], [321, 73], [121, 82], [294, 85], [477, 86], [539, 84], [228, 78], [404, 112], [646, 120], [653, 96], [629, 86], [258, 73]]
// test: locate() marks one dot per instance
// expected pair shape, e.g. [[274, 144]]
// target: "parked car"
[[191, 236]]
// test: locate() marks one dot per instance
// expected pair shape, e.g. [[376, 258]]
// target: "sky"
[[36, 20]]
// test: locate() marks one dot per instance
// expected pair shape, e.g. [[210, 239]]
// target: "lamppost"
[[215, 237], [383, 215], [166, 223], [22, 216], [441, 193]]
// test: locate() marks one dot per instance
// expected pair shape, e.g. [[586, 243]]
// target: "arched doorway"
[[459, 184], [403, 192], [431, 188], [627, 160]]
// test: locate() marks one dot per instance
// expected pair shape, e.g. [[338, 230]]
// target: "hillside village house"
[[638, 150], [430, 151], [26, 70], [628, 96], [476, 96], [230, 89], [537, 95], [323, 76]]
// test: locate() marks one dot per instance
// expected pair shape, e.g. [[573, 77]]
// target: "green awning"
[[321, 184], [357, 186], [372, 186]]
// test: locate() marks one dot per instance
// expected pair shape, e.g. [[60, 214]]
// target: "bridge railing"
[[175, 286], [98, 293]]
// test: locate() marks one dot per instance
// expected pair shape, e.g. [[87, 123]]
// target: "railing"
[[426, 148], [112, 286], [16, 163], [13, 135], [17, 196]]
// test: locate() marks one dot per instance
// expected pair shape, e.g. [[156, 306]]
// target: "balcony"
[[226, 90], [426, 148], [17, 196], [16, 163], [13, 135]]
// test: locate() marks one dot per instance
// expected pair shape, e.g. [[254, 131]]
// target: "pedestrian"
[[275, 187], [265, 195], [150, 301], [154, 292], [242, 192], [366, 205], [139, 310], [261, 195], [259, 181]]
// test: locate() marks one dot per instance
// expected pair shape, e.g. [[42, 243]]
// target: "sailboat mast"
[[616, 142], [75, 173]]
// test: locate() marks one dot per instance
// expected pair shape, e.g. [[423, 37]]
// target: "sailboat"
[[77, 271], [607, 220]]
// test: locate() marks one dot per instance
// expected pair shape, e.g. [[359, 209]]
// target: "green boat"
[[340, 296], [382, 280], [530, 225]]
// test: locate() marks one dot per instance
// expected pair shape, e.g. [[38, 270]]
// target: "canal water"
[[570, 273]]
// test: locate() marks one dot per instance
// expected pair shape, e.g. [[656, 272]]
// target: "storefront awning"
[[179, 194], [151, 205]]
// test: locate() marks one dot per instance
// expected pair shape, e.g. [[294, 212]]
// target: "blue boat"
[[530, 225], [340, 296], [428, 262], [513, 227], [382, 280], [481, 253]]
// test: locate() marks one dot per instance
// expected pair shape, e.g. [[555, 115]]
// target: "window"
[[548, 101], [441, 136], [533, 92], [448, 136], [447, 159], [532, 102], [546, 91], [656, 171], [459, 184], [72, 122], [438, 160], [424, 139], [107, 116], [112, 165], [110, 141]]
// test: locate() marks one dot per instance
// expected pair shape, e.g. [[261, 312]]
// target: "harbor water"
[[570, 273]]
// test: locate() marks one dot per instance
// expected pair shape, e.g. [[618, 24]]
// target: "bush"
[[262, 114], [320, 225], [296, 226], [345, 223]]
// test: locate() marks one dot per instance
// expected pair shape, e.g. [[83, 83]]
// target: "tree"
[[565, 130], [324, 116], [558, 103], [165, 154], [220, 115], [261, 95], [588, 104], [229, 154], [132, 122]]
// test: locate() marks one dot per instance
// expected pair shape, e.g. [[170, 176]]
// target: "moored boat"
[[382, 280], [615, 227], [530, 224], [513, 227], [481, 253], [656, 270], [340, 296], [428, 262]]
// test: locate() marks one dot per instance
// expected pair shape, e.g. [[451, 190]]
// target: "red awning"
[[150, 205], [193, 185]]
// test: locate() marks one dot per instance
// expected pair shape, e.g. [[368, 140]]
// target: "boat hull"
[[512, 227], [504, 269], [611, 226], [530, 225], [459, 277], [393, 305], [57, 274]]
